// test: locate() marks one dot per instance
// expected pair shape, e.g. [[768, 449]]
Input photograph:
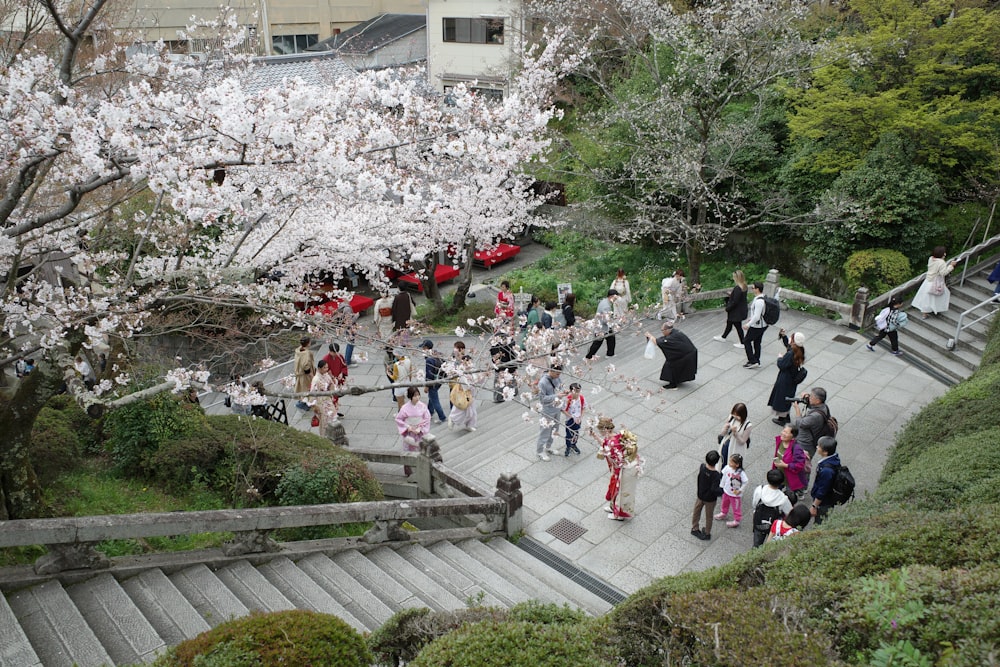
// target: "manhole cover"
[[566, 530], [845, 339]]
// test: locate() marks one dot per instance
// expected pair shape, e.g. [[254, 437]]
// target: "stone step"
[[168, 611], [428, 576], [386, 589], [252, 588], [431, 593], [515, 572], [454, 580], [499, 586], [303, 592], [15, 649], [208, 595], [55, 627], [580, 596], [355, 597], [125, 633]]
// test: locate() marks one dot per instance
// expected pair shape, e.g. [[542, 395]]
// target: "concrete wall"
[[409, 49]]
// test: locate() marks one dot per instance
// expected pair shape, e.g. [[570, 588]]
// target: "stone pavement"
[[872, 394]]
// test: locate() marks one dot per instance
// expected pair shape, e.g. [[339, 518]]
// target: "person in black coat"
[[736, 308], [680, 356], [790, 373]]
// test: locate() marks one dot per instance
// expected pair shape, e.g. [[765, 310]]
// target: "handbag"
[[800, 375], [937, 285], [650, 352], [460, 397], [315, 421]]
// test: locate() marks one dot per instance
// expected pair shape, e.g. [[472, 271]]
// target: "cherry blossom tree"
[[673, 141], [131, 184]]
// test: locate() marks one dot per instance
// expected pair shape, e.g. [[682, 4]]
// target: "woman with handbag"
[[413, 422], [735, 436], [791, 373], [933, 295]]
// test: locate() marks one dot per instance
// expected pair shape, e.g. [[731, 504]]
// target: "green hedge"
[[301, 638]]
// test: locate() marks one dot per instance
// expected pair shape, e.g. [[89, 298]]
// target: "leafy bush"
[[719, 627], [137, 430], [293, 637], [878, 269], [247, 459], [55, 439], [516, 644], [401, 638]]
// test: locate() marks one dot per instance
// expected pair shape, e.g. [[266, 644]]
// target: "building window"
[[491, 94], [473, 31], [283, 45]]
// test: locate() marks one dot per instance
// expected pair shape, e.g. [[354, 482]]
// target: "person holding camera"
[[791, 372], [812, 425]]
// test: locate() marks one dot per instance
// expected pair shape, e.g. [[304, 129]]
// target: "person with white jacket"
[[776, 505], [933, 295]]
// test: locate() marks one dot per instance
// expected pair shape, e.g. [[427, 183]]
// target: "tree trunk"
[[464, 281], [429, 283], [20, 493]]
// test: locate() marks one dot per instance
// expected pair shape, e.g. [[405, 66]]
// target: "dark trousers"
[[348, 352], [572, 435], [893, 339], [596, 345], [733, 325], [434, 403], [751, 341]]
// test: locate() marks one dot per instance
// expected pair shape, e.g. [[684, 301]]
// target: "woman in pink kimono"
[[414, 422]]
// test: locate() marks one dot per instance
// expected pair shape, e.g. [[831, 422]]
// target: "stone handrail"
[[72, 541]]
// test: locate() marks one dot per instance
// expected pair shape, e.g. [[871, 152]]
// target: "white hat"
[[798, 338]]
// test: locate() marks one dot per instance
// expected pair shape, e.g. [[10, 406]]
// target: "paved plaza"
[[872, 394]]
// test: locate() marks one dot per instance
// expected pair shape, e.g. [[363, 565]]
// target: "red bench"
[[442, 274], [359, 304], [503, 252]]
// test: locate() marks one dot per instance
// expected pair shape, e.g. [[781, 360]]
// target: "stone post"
[[430, 453], [509, 490], [771, 283], [859, 309], [336, 434]]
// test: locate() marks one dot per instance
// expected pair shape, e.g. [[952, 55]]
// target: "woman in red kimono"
[[505, 301], [621, 452]]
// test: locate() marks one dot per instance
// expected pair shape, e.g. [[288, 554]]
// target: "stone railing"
[[71, 542]]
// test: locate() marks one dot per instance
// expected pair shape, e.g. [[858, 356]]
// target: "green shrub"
[[720, 627], [878, 269], [293, 637], [516, 644], [246, 460], [137, 430], [402, 637], [55, 440]]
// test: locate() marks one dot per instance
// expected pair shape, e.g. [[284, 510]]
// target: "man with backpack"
[[816, 422], [770, 504], [755, 326], [823, 495]]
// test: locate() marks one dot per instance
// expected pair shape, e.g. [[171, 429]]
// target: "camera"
[[794, 399]]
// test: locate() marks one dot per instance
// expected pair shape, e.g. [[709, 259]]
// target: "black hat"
[[427, 344]]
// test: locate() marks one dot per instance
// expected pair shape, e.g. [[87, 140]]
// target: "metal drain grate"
[[566, 530], [845, 339]]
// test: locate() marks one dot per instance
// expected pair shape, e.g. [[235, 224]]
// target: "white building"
[[476, 42]]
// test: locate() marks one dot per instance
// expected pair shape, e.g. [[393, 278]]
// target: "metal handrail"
[[953, 342]]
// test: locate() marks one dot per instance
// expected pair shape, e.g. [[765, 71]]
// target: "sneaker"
[[697, 533], [751, 365], [781, 421], [544, 457], [705, 536], [896, 353], [738, 345], [550, 451], [451, 424], [720, 517], [721, 340], [470, 428], [868, 346], [733, 524]]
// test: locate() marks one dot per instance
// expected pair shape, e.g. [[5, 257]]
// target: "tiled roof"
[[373, 34], [318, 69]]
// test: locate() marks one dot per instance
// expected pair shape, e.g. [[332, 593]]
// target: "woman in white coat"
[[933, 295]]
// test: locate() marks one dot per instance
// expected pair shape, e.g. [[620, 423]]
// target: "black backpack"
[[842, 486], [772, 310], [764, 516]]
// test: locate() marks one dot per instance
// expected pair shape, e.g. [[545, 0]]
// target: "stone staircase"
[[128, 618], [924, 342]]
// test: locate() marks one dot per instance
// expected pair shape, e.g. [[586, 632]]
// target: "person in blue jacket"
[[995, 278], [826, 470]]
